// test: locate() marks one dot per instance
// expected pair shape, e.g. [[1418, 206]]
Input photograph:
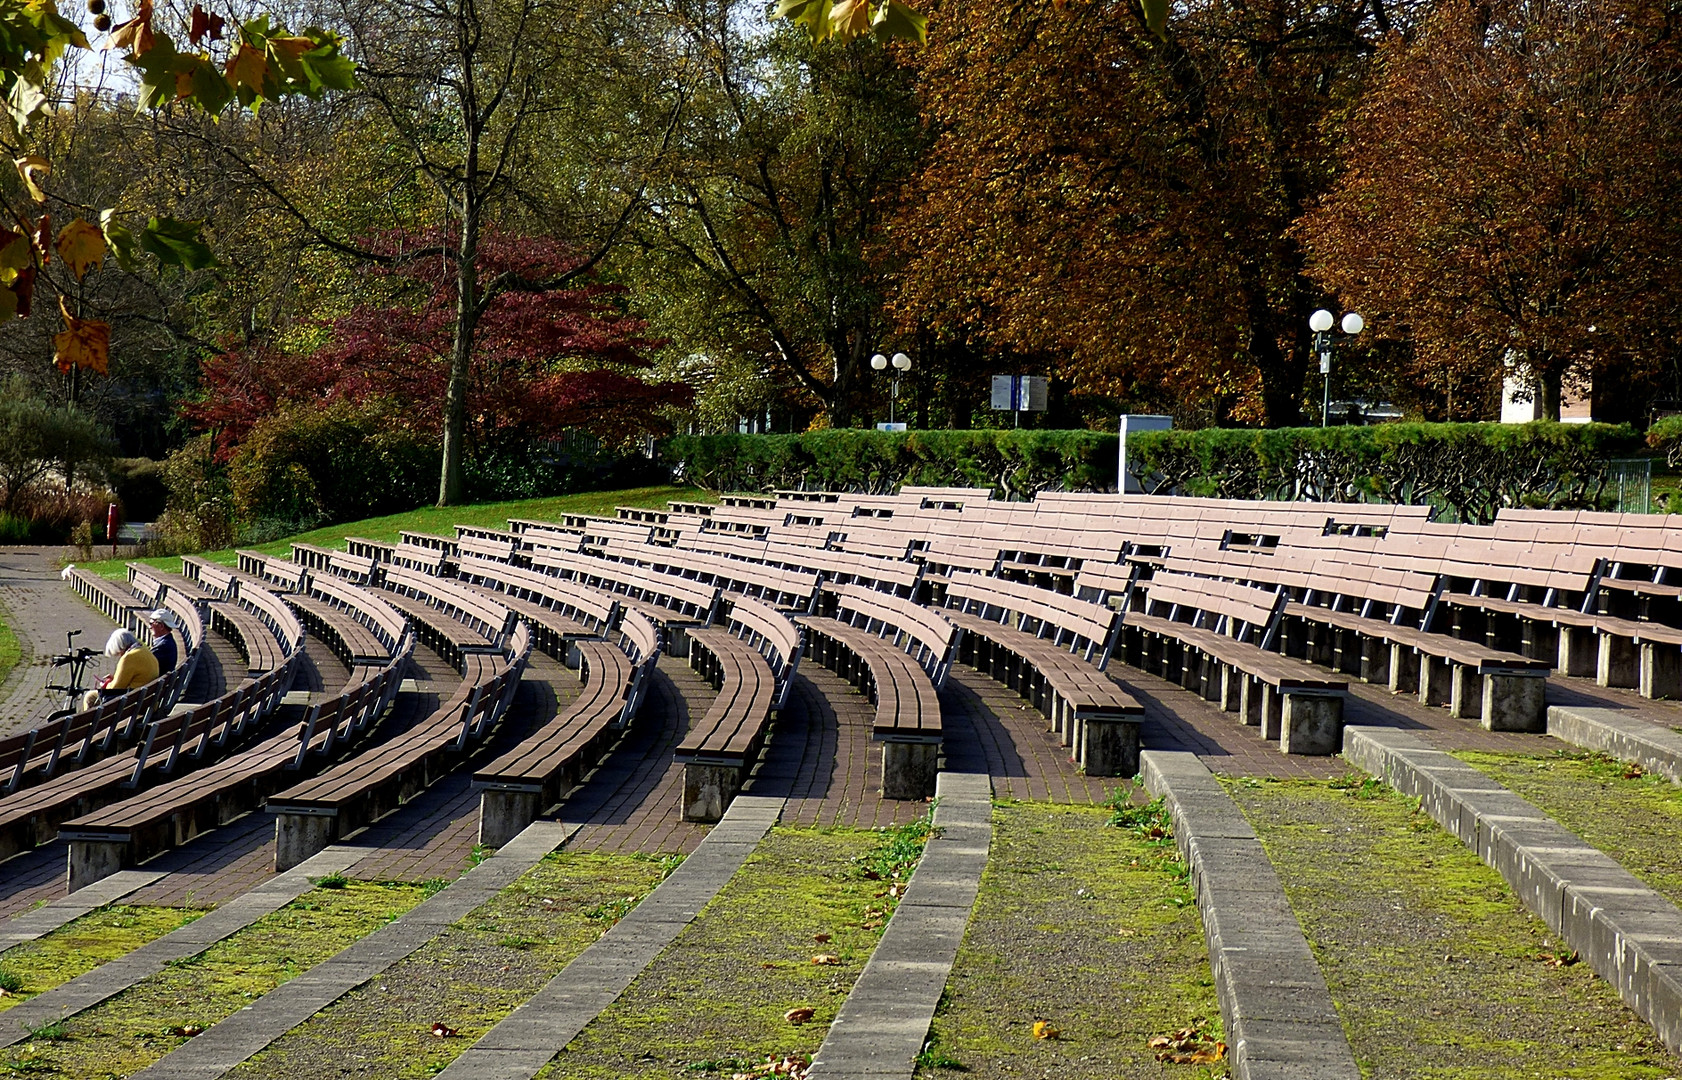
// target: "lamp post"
[[1324, 339], [902, 364]]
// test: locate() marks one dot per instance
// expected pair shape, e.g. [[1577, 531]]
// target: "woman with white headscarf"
[[136, 666]]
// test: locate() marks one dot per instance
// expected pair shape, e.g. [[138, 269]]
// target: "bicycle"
[[72, 689]]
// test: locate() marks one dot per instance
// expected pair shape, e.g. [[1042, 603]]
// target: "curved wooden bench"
[[517, 786], [130, 831], [1214, 637], [314, 814], [751, 660], [1052, 648]]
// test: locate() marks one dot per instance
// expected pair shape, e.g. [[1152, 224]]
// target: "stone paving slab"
[[1629, 934], [248, 1031], [111, 979], [1278, 1013], [882, 1025], [525, 1041]]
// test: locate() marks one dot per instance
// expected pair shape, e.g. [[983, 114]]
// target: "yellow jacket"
[[137, 667]]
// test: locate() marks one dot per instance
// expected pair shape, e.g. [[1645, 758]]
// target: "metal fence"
[[1629, 485]]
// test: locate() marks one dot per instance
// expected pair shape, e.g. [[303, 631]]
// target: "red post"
[[111, 528]]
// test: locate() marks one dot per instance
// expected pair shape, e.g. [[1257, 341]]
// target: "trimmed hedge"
[[1012, 463], [1470, 470]]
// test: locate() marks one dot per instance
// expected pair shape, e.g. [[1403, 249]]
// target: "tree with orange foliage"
[[1122, 202], [1507, 197]]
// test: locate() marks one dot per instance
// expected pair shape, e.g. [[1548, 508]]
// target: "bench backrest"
[[777, 638], [1228, 607], [278, 616], [288, 575], [362, 547], [429, 541], [1080, 626], [779, 585], [925, 635], [211, 576], [427, 560], [690, 598], [386, 621], [483, 614], [596, 609]]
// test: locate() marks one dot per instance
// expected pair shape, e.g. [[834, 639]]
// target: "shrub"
[[1011, 463], [1470, 470], [200, 512]]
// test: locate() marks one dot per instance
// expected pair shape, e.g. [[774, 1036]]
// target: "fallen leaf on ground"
[[826, 958], [821, 939], [1561, 960], [1634, 772], [768, 966], [1188, 1046], [799, 1016], [187, 1030], [873, 925], [441, 1030], [1044, 1030]]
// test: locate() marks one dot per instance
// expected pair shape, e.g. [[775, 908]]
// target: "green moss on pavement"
[[473, 974], [143, 1023], [714, 1001], [1090, 927], [1436, 969], [1578, 789], [84, 944]]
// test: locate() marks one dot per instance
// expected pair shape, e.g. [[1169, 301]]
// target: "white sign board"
[[1020, 393]]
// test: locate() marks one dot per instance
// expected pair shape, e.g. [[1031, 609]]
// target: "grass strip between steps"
[[1632, 816], [1436, 969], [1090, 927], [79, 946], [714, 1002], [439, 520], [469, 977], [143, 1023], [10, 651]]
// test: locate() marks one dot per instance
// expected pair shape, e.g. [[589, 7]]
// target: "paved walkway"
[[524, 1042], [40, 608], [881, 1027]]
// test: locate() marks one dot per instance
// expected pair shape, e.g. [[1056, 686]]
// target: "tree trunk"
[[1550, 384], [451, 481]]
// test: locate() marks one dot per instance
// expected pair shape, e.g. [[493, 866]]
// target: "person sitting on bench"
[[162, 622], [136, 666]]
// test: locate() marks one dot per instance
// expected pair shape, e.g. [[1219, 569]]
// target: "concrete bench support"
[[708, 789], [1661, 670], [91, 860], [1272, 712], [1579, 653], [1515, 702], [1375, 661], [298, 834], [909, 769], [1107, 745], [1617, 661], [1436, 680], [1404, 669], [1311, 724], [1465, 693], [504, 814]]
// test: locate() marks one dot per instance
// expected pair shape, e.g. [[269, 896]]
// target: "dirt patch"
[[714, 1001], [83, 944], [1436, 969], [153, 1017], [473, 974], [1577, 789], [1085, 926]]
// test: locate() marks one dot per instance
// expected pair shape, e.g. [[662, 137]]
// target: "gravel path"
[[40, 609]]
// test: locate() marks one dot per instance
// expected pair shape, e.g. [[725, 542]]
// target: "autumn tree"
[[1507, 198], [1120, 203], [543, 361], [757, 245]]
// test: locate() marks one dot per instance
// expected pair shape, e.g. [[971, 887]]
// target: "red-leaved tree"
[[544, 360]]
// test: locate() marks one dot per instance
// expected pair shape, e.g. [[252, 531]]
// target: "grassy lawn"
[[439, 520], [713, 1003], [1436, 969], [1089, 927], [469, 977], [126, 1033]]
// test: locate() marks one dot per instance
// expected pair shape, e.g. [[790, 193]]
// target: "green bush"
[[1468, 470], [13, 529], [1011, 463]]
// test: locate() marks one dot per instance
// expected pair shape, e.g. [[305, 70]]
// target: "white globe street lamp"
[[901, 364], [1325, 338]]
